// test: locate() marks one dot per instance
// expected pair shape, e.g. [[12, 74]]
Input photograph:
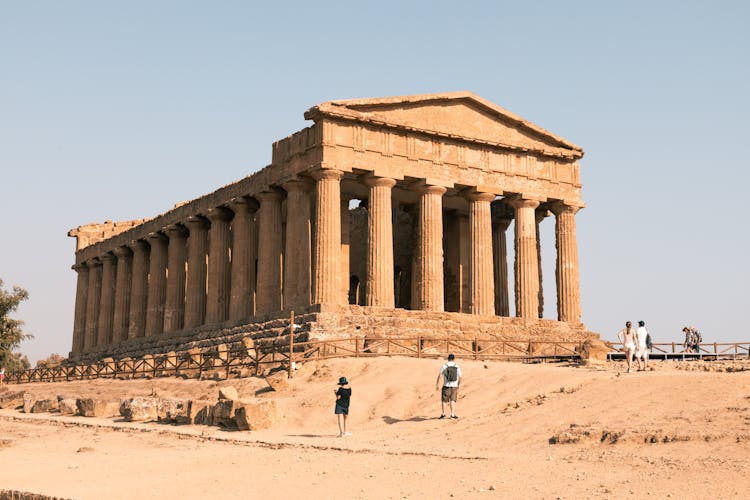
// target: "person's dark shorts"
[[449, 394], [341, 410]]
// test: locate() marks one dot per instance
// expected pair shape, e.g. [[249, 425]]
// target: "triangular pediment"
[[461, 115]]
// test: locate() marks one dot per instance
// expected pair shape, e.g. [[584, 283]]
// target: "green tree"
[[11, 330]]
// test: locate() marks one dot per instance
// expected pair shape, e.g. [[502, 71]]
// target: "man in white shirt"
[[451, 374]]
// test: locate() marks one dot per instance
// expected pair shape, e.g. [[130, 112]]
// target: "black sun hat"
[[343, 381]]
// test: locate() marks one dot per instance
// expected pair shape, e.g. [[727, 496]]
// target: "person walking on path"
[[644, 341], [628, 337], [343, 396], [697, 339], [451, 374], [687, 346]]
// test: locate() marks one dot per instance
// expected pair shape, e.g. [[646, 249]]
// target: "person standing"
[[644, 340], [451, 374], [343, 396], [628, 337], [687, 345]]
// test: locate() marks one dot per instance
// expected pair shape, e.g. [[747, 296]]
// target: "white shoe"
[[347, 434]]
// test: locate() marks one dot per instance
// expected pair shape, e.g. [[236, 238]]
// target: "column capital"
[[501, 223], [139, 245], [195, 222], [522, 203], [298, 184], [424, 187], [270, 195], [176, 231], [473, 195], [560, 207], [122, 251], [108, 257], [540, 214], [372, 180], [243, 203], [326, 173], [156, 236], [79, 267], [219, 214], [92, 263]]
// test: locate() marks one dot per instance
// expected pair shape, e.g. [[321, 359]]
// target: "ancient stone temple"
[[384, 217]]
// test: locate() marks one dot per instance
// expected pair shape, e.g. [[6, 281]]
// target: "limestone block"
[[255, 415], [139, 409], [67, 406], [43, 406], [88, 407], [28, 402], [174, 411], [12, 399], [278, 381], [201, 412], [222, 413], [595, 352], [228, 392]]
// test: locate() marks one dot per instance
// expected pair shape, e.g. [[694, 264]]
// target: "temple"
[[386, 216]]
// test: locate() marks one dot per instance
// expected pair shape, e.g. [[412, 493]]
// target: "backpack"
[[698, 338], [451, 373], [649, 342]]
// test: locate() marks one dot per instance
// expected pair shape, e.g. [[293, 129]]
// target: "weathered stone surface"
[[67, 406], [88, 407], [201, 412], [12, 399], [139, 409], [222, 413], [43, 406], [28, 402], [594, 351], [228, 392], [255, 415], [278, 381], [175, 411]]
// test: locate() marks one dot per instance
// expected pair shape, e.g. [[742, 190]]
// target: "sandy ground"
[[525, 431]]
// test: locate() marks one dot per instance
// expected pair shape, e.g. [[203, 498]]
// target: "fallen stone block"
[[43, 406], [202, 411], [222, 413], [88, 407], [255, 415], [139, 409], [175, 411], [12, 399], [228, 392], [67, 406], [278, 381], [28, 402]]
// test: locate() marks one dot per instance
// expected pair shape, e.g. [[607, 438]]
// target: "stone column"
[[500, 254], [174, 308], [139, 289], [327, 287], [539, 216], [122, 294], [92, 303], [429, 259], [79, 322], [526, 265], [268, 295], [243, 259], [568, 283], [345, 249], [380, 243], [482, 277], [107, 302], [157, 284], [297, 253], [195, 289], [217, 299]]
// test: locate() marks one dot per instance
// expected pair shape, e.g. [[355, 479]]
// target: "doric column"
[[482, 278], [527, 264], [195, 289], [326, 283], [297, 253], [107, 302], [345, 272], [268, 295], [79, 322], [174, 308], [568, 283], [243, 258], [500, 254], [539, 216], [92, 303], [157, 284], [217, 305], [380, 243], [139, 289], [429, 259], [122, 294]]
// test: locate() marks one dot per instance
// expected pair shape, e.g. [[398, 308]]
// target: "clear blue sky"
[[119, 110]]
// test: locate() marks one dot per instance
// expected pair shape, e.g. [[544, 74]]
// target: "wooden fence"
[[240, 361], [676, 351]]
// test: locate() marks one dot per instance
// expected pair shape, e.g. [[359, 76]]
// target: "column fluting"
[[217, 305], [567, 274], [297, 253], [268, 294], [243, 259], [500, 254], [429, 259], [174, 308], [326, 283], [107, 301], [345, 273], [539, 216], [195, 288], [139, 289], [526, 264], [157, 284], [380, 243], [93, 297], [482, 275], [122, 294], [79, 321]]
